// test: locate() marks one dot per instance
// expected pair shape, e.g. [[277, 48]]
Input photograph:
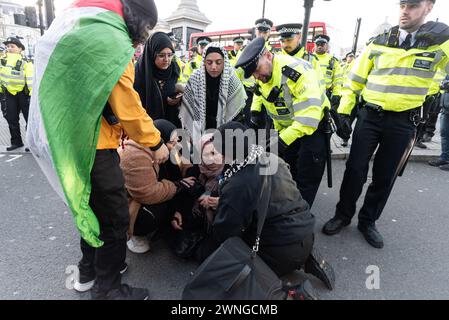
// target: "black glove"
[[335, 102], [344, 127], [445, 85], [281, 146], [256, 120]]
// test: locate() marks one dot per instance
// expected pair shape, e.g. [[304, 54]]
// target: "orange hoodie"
[[134, 121]]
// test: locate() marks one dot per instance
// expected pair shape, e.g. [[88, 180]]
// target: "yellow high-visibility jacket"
[[15, 73], [394, 78], [332, 72], [190, 67], [298, 110]]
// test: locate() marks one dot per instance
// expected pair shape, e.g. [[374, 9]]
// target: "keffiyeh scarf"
[[231, 98]]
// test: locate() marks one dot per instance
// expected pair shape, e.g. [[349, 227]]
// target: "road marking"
[[14, 157], [1, 156]]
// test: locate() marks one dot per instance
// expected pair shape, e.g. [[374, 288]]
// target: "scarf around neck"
[[231, 98]]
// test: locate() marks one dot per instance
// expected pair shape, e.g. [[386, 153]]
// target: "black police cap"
[[321, 38], [413, 1], [250, 57], [289, 30], [264, 24], [14, 40], [238, 40], [172, 36], [203, 41]]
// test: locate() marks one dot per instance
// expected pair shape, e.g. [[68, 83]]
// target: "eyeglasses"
[[165, 55]]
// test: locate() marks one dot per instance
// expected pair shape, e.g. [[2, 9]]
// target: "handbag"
[[235, 271]]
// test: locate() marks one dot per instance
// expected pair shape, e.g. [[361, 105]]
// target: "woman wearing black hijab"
[[157, 74]]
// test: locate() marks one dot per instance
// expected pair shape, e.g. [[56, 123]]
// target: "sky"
[[340, 14]]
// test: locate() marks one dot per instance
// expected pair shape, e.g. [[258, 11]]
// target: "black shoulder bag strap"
[[262, 208]]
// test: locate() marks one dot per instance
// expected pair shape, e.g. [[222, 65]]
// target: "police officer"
[[263, 29], [290, 90], [331, 69], [16, 79], [195, 63], [175, 43], [290, 37], [235, 53], [393, 74]]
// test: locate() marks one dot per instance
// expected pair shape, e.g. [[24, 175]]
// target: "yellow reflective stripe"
[[397, 89], [307, 104], [278, 117], [308, 121], [9, 76], [357, 92], [404, 72]]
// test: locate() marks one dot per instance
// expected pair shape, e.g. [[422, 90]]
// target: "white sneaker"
[[138, 244], [83, 287]]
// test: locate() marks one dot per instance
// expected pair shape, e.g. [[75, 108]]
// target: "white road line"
[[14, 157], [2, 155]]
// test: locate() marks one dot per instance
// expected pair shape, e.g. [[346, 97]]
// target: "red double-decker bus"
[[225, 38]]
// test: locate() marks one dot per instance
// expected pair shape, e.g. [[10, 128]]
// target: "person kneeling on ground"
[[152, 188], [287, 237]]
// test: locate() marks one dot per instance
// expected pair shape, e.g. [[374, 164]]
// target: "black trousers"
[[283, 260], [109, 202], [247, 109], [390, 133], [307, 160], [14, 105]]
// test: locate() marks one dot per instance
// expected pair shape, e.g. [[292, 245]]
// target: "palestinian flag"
[[78, 62]]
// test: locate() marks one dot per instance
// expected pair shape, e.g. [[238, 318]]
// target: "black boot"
[[321, 269], [14, 147], [334, 226], [125, 292], [372, 236]]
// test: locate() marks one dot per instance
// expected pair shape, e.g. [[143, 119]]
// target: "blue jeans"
[[445, 136]]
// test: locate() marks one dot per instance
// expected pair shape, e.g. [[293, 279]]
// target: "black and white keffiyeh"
[[231, 98], [254, 154]]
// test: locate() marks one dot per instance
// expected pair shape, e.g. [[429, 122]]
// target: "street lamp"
[[263, 9], [308, 4]]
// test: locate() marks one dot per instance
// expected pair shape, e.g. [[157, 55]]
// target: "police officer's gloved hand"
[[445, 85], [344, 129], [277, 143], [256, 120], [335, 102]]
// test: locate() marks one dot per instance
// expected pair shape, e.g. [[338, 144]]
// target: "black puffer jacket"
[[288, 219]]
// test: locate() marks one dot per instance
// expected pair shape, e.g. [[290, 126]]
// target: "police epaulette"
[[291, 73], [432, 33]]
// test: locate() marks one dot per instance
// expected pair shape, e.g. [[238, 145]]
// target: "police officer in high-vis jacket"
[[237, 51], [290, 90], [195, 63], [290, 37], [394, 75], [330, 68], [16, 79]]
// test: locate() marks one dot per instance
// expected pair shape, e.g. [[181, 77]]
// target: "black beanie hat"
[[166, 129], [225, 145]]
